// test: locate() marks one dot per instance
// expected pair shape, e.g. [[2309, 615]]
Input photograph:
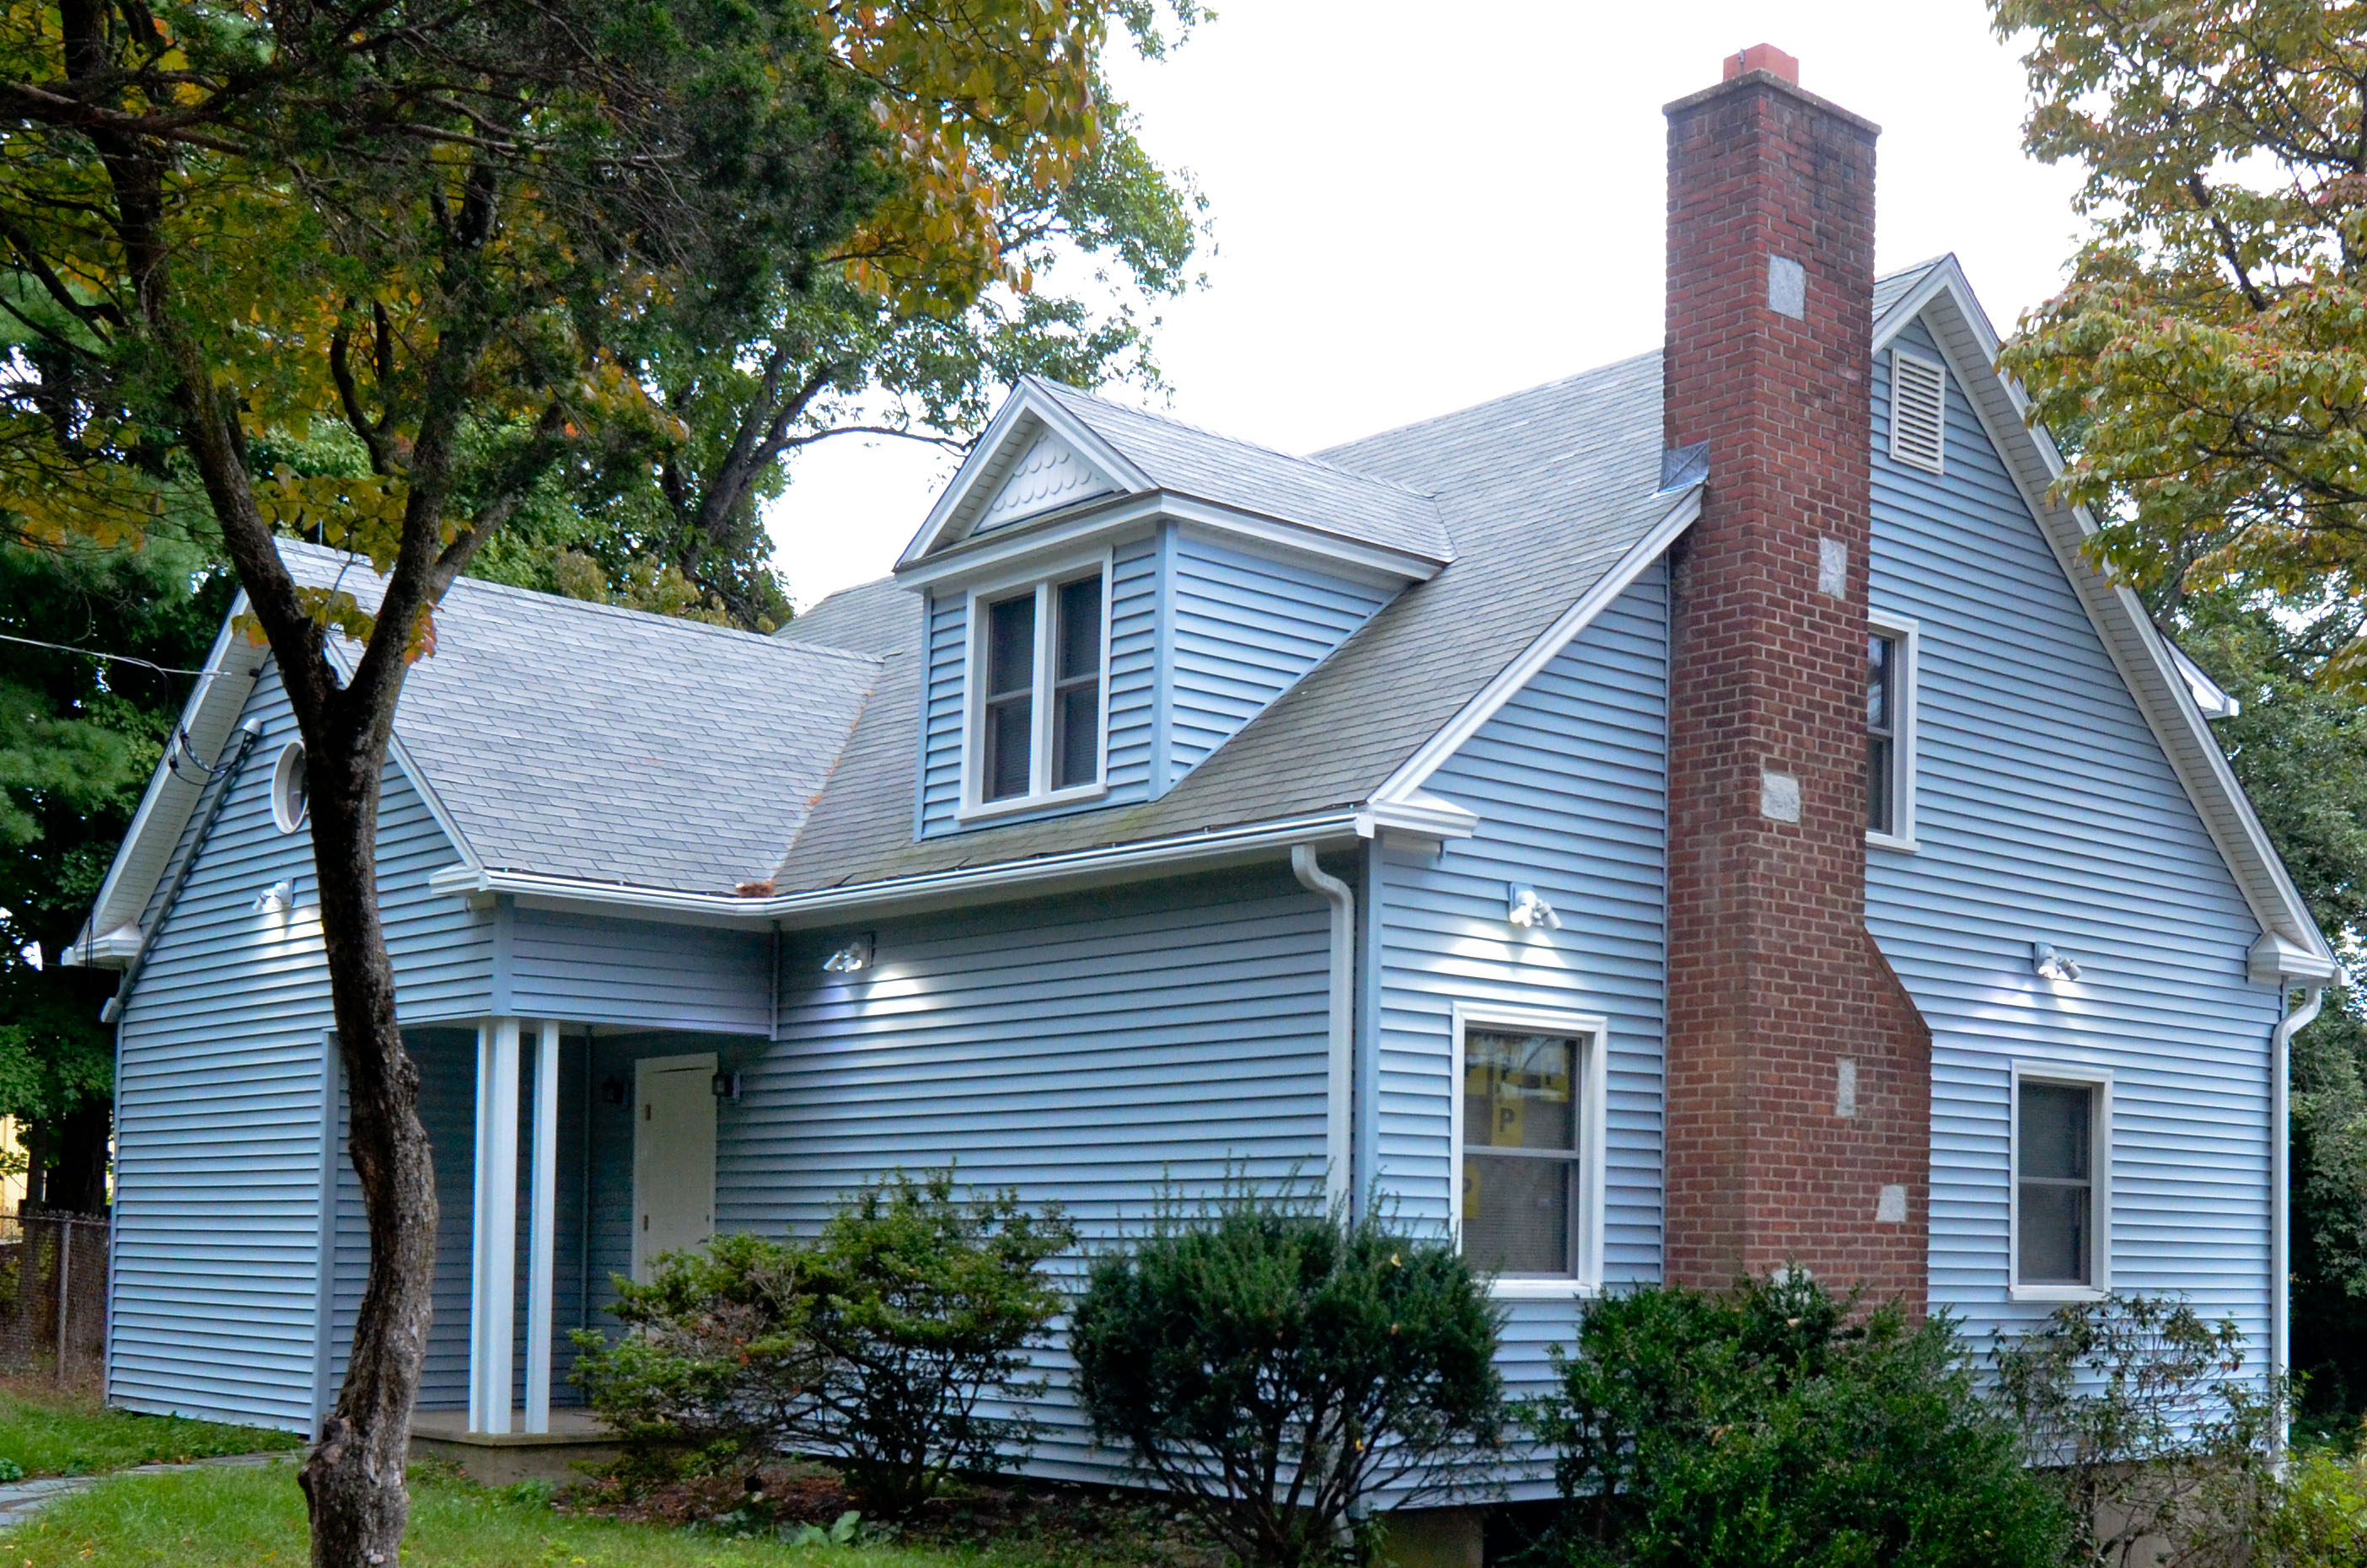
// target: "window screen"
[[1010, 696], [1519, 1151], [1077, 684], [1881, 733], [2055, 1187]]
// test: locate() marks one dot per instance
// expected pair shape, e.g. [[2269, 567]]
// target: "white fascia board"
[[140, 861], [2273, 960], [1420, 814], [901, 895], [2215, 702], [1008, 550], [2138, 649], [1407, 783], [1008, 434]]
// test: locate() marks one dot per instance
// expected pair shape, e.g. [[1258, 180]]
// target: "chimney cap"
[[1763, 57]]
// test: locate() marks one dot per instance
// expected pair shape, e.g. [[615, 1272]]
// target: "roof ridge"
[[568, 603], [1470, 409], [1307, 458]]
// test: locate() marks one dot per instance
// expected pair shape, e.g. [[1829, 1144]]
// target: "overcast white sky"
[[1420, 207]]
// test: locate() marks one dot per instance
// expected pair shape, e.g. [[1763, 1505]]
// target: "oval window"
[[288, 800]]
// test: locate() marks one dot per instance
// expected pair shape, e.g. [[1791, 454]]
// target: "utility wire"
[[95, 653]]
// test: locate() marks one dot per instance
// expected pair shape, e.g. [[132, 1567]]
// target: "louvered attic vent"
[[1919, 402]]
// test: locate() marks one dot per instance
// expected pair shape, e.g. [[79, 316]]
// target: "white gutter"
[[1339, 1098], [821, 907], [2280, 1201]]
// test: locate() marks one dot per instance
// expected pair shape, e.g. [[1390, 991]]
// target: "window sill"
[[1533, 1289], [990, 810], [1890, 841], [2055, 1293]]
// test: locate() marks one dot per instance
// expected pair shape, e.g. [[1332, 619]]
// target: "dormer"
[[1111, 596]]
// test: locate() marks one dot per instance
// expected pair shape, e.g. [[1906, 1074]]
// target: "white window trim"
[[2099, 1262], [287, 816], [1043, 579], [1592, 1032], [1907, 679]]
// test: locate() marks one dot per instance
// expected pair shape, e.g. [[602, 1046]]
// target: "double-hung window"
[[1890, 661], [1038, 685], [1529, 1143], [2062, 1193]]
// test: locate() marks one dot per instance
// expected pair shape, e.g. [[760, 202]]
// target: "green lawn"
[[215, 1517], [67, 1436]]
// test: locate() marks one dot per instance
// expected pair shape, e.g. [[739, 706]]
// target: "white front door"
[[673, 1156]]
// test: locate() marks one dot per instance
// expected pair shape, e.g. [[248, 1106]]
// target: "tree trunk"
[[354, 1479]]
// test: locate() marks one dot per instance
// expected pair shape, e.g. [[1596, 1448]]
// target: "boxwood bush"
[[1780, 1427], [1274, 1366], [895, 1345]]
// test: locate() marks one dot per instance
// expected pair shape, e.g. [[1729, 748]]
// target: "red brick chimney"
[[1799, 1122]]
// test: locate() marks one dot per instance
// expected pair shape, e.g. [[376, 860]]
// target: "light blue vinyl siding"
[[1245, 629], [1084, 1051], [1570, 784], [2045, 810], [221, 1047], [1134, 584], [636, 974]]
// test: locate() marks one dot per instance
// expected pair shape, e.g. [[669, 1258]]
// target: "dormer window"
[[1038, 709]]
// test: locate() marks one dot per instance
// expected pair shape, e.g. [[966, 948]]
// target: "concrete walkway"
[[20, 1500]]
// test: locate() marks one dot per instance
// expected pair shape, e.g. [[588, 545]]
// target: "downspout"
[[227, 769], [1343, 1037], [2280, 1200]]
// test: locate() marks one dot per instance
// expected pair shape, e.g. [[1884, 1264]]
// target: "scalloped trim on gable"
[[1048, 475]]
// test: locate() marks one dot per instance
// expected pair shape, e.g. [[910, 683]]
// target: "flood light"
[[1525, 909], [2048, 965]]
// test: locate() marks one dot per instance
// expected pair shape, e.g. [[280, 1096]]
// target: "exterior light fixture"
[[854, 955], [612, 1090], [2048, 965], [1524, 909], [726, 1086], [276, 899]]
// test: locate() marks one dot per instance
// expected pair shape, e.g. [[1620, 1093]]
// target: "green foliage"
[[1780, 1426], [78, 739], [881, 1345], [69, 1436], [2210, 350], [1273, 1366], [2136, 1408], [2330, 1214], [2319, 1520]]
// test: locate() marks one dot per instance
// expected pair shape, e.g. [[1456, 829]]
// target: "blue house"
[[1700, 814]]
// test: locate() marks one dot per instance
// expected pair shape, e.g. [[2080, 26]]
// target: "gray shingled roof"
[[1540, 493], [1334, 499], [580, 739], [1889, 289]]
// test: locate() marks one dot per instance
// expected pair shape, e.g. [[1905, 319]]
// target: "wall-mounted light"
[[854, 955], [1523, 908], [276, 899], [2048, 965], [726, 1086], [612, 1090]]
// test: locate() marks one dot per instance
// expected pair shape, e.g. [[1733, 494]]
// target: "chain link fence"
[[53, 1297]]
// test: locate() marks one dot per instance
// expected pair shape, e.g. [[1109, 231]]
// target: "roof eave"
[[1211, 849], [2139, 651]]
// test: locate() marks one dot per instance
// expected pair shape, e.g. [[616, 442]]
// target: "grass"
[[53, 1434], [215, 1517]]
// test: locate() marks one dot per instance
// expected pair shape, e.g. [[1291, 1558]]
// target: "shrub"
[[879, 1347], [2320, 1518], [2132, 1406], [1778, 1425], [1273, 1366]]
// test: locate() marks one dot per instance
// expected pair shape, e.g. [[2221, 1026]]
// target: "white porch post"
[[492, 1298], [543, 1230]]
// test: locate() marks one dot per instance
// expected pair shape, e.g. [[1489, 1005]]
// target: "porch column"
[[543, 1228], [493, 1298]]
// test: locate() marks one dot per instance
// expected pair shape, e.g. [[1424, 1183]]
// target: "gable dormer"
[[1111, 596]]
